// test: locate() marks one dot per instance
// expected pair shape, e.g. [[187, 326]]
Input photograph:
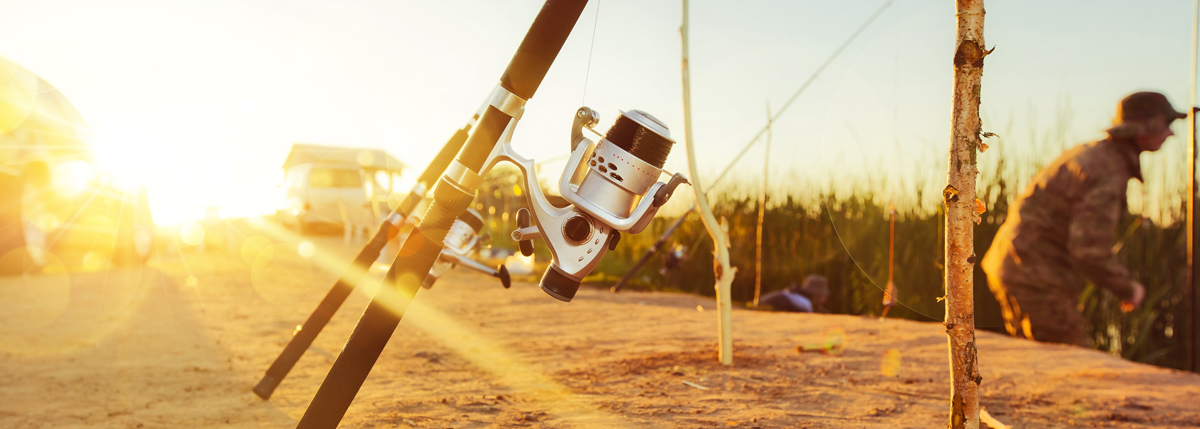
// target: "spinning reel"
[[461, 244], [612, 187]]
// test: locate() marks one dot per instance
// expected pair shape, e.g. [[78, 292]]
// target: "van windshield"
[[334, 178]]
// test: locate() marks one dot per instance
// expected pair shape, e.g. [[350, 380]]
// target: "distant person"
[[673, 259], [809, 297], [1064, 224], [672, 262]]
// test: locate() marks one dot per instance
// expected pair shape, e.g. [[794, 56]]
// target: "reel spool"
[[625, 164], [612, 186]]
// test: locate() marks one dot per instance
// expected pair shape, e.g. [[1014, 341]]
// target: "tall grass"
[[841, 231]]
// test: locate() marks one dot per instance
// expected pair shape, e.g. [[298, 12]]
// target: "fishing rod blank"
[[354, 274], [658, 245]]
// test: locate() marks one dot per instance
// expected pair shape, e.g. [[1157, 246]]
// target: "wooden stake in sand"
[[961, 214], [724, 272], [889, 293]]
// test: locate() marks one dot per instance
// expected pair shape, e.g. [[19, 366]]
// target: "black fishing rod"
[[658, 245], [452, 196], [354, 274], [611, 187]]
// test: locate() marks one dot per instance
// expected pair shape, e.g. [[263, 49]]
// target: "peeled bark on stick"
[[724, 272], [961, 215]]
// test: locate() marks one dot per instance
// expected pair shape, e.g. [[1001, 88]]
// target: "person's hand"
[[1139, 293]]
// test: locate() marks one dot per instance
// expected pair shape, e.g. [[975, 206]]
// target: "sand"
[[180, 343]]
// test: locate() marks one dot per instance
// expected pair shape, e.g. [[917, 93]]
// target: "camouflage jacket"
[[1065, 222]]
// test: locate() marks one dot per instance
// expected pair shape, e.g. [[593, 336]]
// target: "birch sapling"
[[962, 214], [724, 272]]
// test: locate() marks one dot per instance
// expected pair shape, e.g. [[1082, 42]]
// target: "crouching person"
[[1062, 228], [809, 297]]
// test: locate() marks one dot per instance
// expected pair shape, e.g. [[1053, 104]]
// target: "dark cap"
[[1142, 106], [815, 285]]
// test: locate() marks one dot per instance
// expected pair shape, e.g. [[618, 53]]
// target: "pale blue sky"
[[167, 85]]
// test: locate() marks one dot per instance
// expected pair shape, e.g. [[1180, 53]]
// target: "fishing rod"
[[662, 239], [612, 187], [388, 229], [658, 245]]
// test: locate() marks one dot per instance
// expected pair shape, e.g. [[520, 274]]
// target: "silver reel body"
[[605, 200]]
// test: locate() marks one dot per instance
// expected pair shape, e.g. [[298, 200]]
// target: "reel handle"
[[523, 221], [502, 274], [664, 193]]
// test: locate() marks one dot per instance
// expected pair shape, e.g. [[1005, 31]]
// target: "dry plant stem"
[[724, 272], [891, 244], [762, 212], [959, 197]]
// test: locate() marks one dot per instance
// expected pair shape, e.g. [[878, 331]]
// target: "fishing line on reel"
[[588, 72]]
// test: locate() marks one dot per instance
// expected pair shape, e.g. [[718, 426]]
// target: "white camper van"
[[334, 184], [322, 194]]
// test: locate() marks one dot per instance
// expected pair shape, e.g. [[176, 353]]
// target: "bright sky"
[[201, 100]]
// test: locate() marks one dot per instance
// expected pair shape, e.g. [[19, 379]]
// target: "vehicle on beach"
[[332, 185]]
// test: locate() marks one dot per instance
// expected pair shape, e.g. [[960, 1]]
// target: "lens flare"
[[384, 180], [366, 158], [96, 260], [393, 200], [47, 222], [306, 249], [72, 177], [192, 233], [143, 240], [255, 221], [252, 246], [126, 184], [32, 301], [890, 365], [53, 312], [18, 96], [280, 274]]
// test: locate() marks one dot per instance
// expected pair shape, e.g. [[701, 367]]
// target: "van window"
[[334, 178]]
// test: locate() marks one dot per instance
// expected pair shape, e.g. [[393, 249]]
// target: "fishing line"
[[591, 49], [838, 234], [796, 94], [803, 87]]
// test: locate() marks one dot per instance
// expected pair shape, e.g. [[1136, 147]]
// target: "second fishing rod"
[[611, 186], [307, 332]]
